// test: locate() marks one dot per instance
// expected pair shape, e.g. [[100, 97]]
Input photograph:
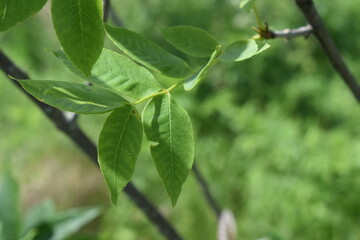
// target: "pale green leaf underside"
[[243, 49], [73, 97], [117, 72], [168, 126], [193, 80], [79, 28], [148, 53], [190, 40], [246, 5], [119, 146], [15, 11]]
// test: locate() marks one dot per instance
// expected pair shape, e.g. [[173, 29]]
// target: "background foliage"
[[277, 135]]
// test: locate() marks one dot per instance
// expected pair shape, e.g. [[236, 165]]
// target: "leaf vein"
[[118, 147]]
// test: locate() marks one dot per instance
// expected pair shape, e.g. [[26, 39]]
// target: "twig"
[[304, 31], [333, 54], [209, 198], [71, 129], [266, 33]]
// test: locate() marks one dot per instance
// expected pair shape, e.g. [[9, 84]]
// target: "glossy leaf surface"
[[243, 49], [119, 146], [190, 40], [73, 97], [148, 53], [13, 12], [168, 126], [78, 25], [193, 80]]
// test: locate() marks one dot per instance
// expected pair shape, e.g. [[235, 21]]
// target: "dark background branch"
[[206, 190], [107, 8], [333, 54], [72, 130]]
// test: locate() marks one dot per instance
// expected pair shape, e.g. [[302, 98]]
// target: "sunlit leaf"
[[117, 72], [119, 146], [78, 25], [243, 49], [13, 12], [73, 97], [123, 75], [168, 126], [148, 53], [196, 78], [190, 40]]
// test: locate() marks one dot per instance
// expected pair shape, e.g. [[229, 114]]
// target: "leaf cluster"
[[120, 81]]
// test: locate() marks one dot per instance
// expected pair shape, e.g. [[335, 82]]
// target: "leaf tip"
[[174, 201], [114, 198]]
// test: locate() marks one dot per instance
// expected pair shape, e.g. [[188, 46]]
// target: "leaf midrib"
[[84, 55], [118, 145], [4, 12], [171, 147]]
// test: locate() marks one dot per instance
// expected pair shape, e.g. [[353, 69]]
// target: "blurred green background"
[[277, 135]]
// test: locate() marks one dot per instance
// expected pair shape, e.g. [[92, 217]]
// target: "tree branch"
[[333, 54], [208, 196], [71, 129]]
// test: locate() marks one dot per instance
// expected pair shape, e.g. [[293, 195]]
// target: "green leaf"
[[9, 206], [13, 12], [60, 54], [78, 25], [262, 46], [246, 5], [123, 75], [190, 40], [243, 49], [118, 72], [38, 215], [148, 53], [196, 78], [168, 125], [70, 221], [119, 147], [73, 97]]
